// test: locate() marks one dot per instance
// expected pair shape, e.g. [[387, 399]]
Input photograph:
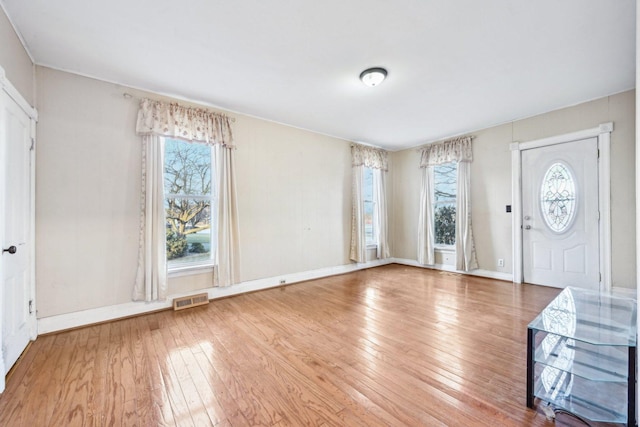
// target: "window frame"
[[204, 266]]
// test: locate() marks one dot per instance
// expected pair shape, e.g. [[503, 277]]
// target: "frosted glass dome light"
[[373, 76]]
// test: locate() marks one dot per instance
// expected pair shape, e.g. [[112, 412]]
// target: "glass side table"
[[581, 356]]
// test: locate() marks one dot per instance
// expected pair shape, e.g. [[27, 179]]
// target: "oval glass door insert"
[[558, 197]]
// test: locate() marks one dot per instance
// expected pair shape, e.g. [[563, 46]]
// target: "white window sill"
[[446, 249], [190, 270], [372, 246]]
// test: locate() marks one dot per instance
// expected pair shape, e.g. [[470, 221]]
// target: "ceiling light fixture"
[[373, 76]]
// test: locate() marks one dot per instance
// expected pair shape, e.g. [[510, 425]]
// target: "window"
[[369, 199], [558, 197], [444, 203], [189, 196]]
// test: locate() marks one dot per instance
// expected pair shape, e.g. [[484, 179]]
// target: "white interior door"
[[560, 218], [15, 230]]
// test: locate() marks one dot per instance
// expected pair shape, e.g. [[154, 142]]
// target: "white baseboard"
[[102, 314], [481, 273]]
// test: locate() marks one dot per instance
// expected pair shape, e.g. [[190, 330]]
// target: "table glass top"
[[590, 316]]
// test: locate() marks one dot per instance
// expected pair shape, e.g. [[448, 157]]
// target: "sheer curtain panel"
[[158, 119], [455, 150], [465, 249], [228, 251], [151, 276], [358, 252], [381, 212], [426, 244]]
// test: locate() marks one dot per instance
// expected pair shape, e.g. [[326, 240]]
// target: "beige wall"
[[294, 191], [15, 61], [293, 188], [491, 183], [87, 194]]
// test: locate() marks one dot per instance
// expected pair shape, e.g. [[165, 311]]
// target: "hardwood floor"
[[388, 346]]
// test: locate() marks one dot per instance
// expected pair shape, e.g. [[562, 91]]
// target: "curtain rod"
[[127, 95]]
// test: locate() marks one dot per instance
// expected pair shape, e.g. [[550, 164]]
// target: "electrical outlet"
[[500, 262], [282, 281]]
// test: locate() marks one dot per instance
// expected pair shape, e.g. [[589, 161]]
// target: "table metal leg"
[[631, 400], [530, 368]]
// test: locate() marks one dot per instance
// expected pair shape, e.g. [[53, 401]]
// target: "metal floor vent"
[[190, 301]]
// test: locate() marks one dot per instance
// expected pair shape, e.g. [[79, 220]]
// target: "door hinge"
[[598, 153], [600, 277], [598, 215], [30, 306], [33, 144]]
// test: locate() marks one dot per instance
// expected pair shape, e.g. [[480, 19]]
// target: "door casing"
[[603, 133], [13, 93]]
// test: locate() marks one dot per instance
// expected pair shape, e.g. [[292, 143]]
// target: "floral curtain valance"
[[192, 124], [454, 150], [370, 157]]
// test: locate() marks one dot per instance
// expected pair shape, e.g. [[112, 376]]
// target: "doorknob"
[[12, 250], [527, 217], [527, 227]]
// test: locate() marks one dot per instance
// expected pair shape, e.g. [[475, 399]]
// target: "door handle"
[[12, 250], [527, 227]]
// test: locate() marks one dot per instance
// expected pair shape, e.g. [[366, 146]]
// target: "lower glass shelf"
[[599, 363], [593, 400]]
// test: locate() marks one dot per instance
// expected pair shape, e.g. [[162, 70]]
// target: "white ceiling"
[[455, 66]]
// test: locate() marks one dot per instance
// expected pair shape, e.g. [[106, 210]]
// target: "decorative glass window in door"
[[558, 197]]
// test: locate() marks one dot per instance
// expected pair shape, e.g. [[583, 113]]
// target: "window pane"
[[187, 168], [445, 178], [369, 223], [445, 224], [188, 231], [368, 195], [367, 185]]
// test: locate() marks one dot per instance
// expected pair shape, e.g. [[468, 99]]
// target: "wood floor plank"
[[303, 402], [248, 380], [141, 366], [63, 350], [379, 350], [72, 408], [114, 398], [29, 380], [235, 416], [369, 346], [153, 406], [386, 395], [165, 347], [192, 399], [387, 346], [312, 370], [97, 389]]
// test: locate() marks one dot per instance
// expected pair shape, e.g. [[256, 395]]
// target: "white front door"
[[560, 218], [15, 230]]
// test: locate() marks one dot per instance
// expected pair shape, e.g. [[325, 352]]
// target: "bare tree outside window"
[[188, 200], [444, 205]]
